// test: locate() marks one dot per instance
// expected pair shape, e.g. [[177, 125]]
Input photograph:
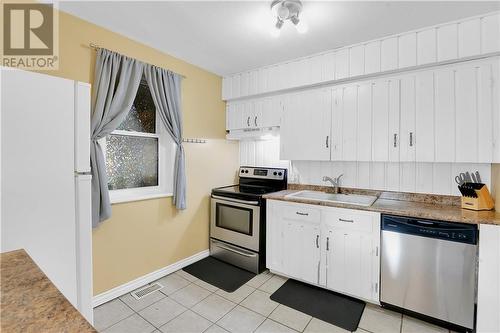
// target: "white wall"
[[262, 153], [437, 178]]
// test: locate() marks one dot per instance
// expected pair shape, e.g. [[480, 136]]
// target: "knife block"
[[475, 196]]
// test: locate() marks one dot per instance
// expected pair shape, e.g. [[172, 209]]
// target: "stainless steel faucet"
[[334, 181]]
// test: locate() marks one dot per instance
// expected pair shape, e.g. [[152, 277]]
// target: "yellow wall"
[[144, 236]]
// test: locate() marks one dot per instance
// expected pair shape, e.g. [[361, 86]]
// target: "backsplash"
[[436, 178]]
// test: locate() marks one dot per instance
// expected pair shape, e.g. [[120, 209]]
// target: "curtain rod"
[[97, 47]]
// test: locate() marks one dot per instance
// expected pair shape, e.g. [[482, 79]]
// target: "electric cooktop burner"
[[254, 183]]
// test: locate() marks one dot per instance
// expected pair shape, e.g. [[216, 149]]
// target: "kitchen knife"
[[478, 177], [473, 175], [468, 179]]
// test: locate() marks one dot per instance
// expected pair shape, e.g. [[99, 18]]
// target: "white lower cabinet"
[[331, 247], [488, 293]]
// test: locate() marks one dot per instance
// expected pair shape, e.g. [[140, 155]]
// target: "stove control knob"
[[242, 171], [275, 173], [280, 173], [246, 171]]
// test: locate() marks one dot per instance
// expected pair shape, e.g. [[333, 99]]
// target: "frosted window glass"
[[141, 117], [131, 161]]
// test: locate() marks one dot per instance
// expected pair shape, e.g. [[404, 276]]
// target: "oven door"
[[235, 221]]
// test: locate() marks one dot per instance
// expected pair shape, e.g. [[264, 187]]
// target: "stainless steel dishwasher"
[[429, 267]]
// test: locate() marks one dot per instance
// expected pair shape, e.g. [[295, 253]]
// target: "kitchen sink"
[[351, 199]]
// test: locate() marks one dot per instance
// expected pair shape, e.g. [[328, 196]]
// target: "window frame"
[[166, 161]]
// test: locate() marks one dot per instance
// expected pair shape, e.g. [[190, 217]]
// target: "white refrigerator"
[[45, 178]]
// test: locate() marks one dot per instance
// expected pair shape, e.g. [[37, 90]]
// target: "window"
[[139, 153]]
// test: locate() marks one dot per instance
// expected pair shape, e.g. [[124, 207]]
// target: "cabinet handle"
[[395, 140], [328, 243], [411, 139], [248, 121], [376, 251], [302, 214], [317, 241], [326, 141], [348, 221], [255, 121]]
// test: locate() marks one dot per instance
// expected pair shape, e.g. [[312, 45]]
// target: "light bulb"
[[302, 27]]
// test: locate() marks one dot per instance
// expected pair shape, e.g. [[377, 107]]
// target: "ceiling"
[[231, 36]]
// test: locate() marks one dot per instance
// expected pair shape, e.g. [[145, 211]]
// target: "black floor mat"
[[220, 274], [334, 308]]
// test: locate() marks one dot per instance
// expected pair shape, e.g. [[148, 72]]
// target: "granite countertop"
[[435, 207], [31, 303]]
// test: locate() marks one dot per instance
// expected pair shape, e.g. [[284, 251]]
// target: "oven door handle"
[[231, 249], [255, 203]]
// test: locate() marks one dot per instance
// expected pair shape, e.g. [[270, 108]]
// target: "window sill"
[[117, 198]]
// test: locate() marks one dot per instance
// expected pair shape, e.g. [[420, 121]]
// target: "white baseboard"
[[145, 279]]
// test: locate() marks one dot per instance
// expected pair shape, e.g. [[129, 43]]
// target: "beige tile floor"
[[187, 304]]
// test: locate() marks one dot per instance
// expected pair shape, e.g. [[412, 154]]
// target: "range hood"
[[252, 133]]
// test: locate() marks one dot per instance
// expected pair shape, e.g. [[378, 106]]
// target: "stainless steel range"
[[238, 217]]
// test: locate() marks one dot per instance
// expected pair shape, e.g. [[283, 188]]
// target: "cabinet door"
[[372, 57], [272, 109], [424, 116], [364, 130], [466, 114], [336, 127], [235, 115], [357, 60], [444, 86], [341, 64], [349, 257], [301, 247], [305, 130], [274, 235], [385, 131], [389, 54], [349, 123], [407, 45], [447, 42], [381, 136], [490, 33], [235, 86], [394, 118], [407, 114], [426, 51], [248, 114]]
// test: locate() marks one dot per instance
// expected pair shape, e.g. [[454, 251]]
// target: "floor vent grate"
[[146, 290]]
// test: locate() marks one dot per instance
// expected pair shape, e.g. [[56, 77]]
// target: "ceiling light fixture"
[[287, 10]]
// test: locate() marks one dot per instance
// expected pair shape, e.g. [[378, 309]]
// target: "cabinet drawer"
[[301, 213], [350, 220]]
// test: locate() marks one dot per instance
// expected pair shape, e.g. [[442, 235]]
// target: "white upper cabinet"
[[444, 85], [447, 42], [490, 33], [468, 42], [426, 46], [364, 122], [305, 127], [349, 120], [407, 45], [469, 37], [328, 66], [424, 116], [357, 60], [342, 64], [407, 114], [381, 137], [389, 54], [372, 57]]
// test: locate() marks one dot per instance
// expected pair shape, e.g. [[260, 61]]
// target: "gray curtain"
[[116, 82], [165, 88]]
